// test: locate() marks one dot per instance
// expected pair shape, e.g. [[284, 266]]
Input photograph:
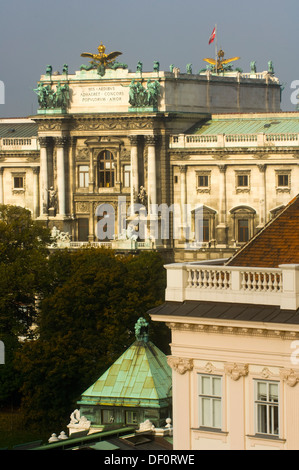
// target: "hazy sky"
[[35, 33]]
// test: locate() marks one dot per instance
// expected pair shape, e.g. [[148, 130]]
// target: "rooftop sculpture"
[[220, 62], [101, 60]]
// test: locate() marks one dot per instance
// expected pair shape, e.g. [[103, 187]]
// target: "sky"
[[37, 33]]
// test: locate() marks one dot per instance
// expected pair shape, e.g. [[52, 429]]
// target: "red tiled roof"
[[277, 243]]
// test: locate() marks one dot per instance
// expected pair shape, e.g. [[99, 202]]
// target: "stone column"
[[1, 186], [35, 171], [134, 170], [44, 142], [91, 185], [221, 235], [91, 235], [60, 146], [151, 174], [262, 208], [183, 187]]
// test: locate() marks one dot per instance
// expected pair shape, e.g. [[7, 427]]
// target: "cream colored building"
[[235, 344], [96, 146]]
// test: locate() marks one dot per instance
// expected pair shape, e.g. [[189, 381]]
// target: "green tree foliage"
[[88, 313], [22, 276]]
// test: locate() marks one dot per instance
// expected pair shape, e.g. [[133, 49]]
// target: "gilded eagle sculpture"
[[218, 64], [101, 58]]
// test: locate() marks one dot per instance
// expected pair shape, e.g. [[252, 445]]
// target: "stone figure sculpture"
[[140, 97], [48, 98], [253, 67]]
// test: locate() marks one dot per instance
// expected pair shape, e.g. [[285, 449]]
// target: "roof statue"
[[141, 330], [220, 63], [101, 60]]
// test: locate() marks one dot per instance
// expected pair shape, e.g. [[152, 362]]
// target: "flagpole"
[[216, 46]]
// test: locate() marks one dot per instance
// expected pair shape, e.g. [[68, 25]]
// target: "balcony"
[[218, 283]]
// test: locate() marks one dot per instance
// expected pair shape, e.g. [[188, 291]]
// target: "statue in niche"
[[52, 198], [142, 196]]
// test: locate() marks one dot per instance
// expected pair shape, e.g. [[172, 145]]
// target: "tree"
[[22, 276], [87, 320]]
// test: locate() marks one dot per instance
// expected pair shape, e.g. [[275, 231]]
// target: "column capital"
[[1, 170], [44, 141], [262, 167], [183, 168], [35, 170], [151, 139], [222, 168], [61, 141], [134, 139]]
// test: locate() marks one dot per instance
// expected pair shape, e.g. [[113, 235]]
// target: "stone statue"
[[189, 68], [270, 67], [156, 66], [52, 198], [141, 330], [142, 196], [139, 66], [49, 70], [253, 67], [153, 91]]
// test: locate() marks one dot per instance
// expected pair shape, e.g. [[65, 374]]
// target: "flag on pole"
[[213, 35]]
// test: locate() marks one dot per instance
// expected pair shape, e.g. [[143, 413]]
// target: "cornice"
[[245, 330]]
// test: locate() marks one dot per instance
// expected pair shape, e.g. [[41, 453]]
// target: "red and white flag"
[[212, 37]]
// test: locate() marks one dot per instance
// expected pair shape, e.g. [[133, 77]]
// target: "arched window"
[[106, 168]]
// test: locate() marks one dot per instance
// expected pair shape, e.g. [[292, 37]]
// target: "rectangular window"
[[267, 407], [210, 401], [107, 416], [127, 176], [131, 417], [243, 230], [83, 176], [242, 181], [18, 182], [283, 180], [203, 181]]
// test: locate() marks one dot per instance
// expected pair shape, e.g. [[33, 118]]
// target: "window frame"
[[206, 186], [105, 171], [212, 424], [269, 407], [85, 175]]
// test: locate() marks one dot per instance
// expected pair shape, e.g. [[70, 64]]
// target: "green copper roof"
[[246, 125], [140, 376]]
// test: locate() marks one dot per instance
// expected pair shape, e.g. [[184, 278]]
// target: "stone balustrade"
[[234, 140], [252, 285], [19, 143]]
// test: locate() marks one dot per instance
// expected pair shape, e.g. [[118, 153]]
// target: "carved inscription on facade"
[[103, 95]]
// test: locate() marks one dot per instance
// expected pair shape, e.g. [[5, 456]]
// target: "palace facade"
[[111, 149]]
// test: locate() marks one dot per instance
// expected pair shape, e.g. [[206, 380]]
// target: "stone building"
[[109, 138], [234, 344]]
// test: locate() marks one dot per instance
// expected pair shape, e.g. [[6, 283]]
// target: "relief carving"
[[180, 365], [290, 376], [235, 371]]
